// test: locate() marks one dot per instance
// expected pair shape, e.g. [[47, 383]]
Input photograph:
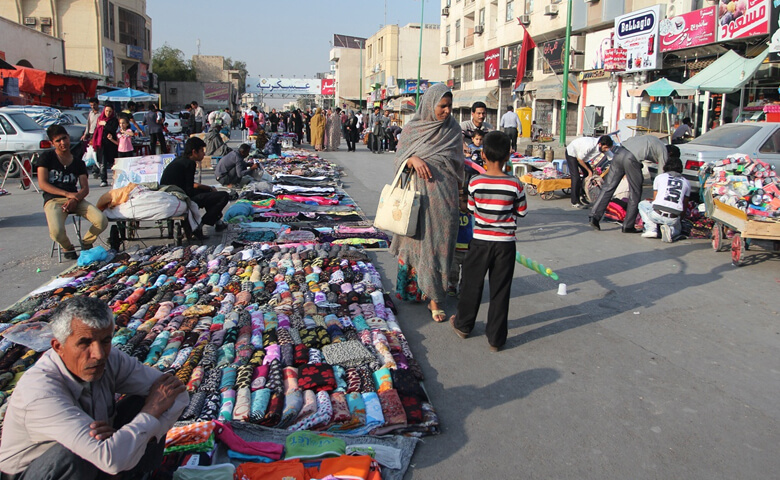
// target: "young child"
[[125, 136], [476, 146], [465, 232], [496, 200]]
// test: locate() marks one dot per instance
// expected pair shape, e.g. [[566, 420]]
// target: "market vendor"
[[64, 181], [62, 420], [233, 169], [181, 173]]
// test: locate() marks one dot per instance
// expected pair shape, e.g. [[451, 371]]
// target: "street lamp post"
[[565, 93], [360, 94], [419, 54]]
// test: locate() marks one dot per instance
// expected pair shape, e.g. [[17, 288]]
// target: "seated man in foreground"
[[232, 169], [62, 420], [181, 173]]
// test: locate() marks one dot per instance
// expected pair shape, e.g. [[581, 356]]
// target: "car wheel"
[[5, 163]]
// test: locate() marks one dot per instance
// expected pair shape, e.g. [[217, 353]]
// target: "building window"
[[46, 29], [468, 68], [457, 31], [447, 36], [481, 17], [370, 49], [108, 20], [510, 10], [148, 39], [381, 47], [456, 73], [479, 70], [529, 7], [132, 28]]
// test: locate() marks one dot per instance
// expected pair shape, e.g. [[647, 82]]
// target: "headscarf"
[[97, 137], [437, 142], [351, 114]]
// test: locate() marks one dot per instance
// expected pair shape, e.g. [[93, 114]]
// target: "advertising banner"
[[553, 55], [637, 32], [596, 45], [290, 86], [492, 64], [143, 74], [411, 86], [743, 18], [328, 86], [216, 93], [688, 30], [108, 62], [774, 29], [135, 52]]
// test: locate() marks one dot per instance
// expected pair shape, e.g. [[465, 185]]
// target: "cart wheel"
[[719, 240], [737, 248], [531, 189], [566, 191], [548, 195]]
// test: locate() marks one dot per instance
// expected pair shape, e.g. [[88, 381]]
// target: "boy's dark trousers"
[[497, 259]]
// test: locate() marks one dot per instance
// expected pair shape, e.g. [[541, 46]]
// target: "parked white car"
[[19, 133]]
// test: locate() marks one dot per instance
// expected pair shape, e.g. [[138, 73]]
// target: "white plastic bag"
[[90, 157]]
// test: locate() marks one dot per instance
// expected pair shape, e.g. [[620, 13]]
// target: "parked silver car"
[[19, 133]]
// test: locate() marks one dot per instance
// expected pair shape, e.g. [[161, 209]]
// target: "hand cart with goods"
[[742, 197]]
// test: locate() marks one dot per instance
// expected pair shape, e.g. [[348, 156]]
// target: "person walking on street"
[[318, 130], [579, 153], [510, 123], [153, 120], [107, 150], [352, 131]]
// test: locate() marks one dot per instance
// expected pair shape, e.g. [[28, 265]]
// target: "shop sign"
[[615, 59], [593, 75], [553, 52], [774, 28], [135, 52], [328, 86], [688, 30], [596, 46], [745, 18], [143, 74], [271, 86], [637, 32], [492, 64], [108, 62], [411, 86], [509, 55]]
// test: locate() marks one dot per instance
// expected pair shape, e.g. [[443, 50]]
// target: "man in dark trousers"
[[627, 161], [181, 173], [153, 120]]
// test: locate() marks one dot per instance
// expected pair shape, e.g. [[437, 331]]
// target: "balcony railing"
[[468, 41]]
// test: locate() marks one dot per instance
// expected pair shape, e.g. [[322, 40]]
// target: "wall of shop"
[[38, 50]]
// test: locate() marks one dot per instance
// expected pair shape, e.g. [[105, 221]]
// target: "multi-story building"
[[390, 61], [110, 38], [346, 63]]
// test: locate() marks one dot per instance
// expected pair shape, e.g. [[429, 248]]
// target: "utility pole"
[[360, 94], [565, 94], [419, 54]]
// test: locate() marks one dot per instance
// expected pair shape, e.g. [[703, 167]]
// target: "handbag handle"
[[401, 183]]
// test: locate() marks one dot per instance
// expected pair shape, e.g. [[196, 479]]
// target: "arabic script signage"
[[553, 55], [743, 18], [328, 86], [688, 30], [293, 86], [492, 63]]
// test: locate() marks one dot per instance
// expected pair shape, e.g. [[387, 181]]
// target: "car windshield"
[[727, 137], [25, 123]]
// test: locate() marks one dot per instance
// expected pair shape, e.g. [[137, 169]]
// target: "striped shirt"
[[496, 202]]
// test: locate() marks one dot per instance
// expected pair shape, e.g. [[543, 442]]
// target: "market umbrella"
[[5, 65], [128, 94], [663, 88]]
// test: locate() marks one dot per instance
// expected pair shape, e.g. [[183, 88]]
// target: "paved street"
[[661, 362]]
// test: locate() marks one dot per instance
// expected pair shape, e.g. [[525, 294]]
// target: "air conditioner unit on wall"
[[30, 21], [445, 50], [577, 63], [479, 29], [445, 12], [577, 44], [45, 20], [525, 19], [551, 10]]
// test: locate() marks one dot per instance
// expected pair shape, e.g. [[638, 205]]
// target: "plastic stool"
[[519, 169], [561, 165], [56, 246]]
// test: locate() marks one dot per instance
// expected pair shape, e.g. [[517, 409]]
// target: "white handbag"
[[399, 206]]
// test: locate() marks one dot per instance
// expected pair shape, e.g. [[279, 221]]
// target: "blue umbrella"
[[128, 94]]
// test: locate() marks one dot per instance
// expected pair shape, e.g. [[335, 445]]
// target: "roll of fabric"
[[260, 400], [274, 411], [210, 408], [259, 377], [243, 406], [197, 401], [320, 418], [290, 379], [227, 399], [293, 401], [195, 379]]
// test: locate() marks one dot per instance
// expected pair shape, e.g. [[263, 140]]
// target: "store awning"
[[727, 74], [551, 88], [465, 98]]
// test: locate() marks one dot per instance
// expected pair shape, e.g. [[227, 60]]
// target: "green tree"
[[231, 64], [170, 66]]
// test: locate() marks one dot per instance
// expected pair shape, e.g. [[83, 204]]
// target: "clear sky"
[[274, 38]]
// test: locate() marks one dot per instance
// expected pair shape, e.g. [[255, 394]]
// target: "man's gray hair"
[[93, 312]]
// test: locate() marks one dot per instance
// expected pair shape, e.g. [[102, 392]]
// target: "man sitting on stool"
[[232, 169], [62, 420], [181, 173]]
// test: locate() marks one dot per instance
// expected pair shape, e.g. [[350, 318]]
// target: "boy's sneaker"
[[452, 291], [666, 234], [70, 255], [650, 234]]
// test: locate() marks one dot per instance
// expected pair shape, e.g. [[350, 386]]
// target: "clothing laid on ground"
[[496, 201], [51, 406], [624, 163]]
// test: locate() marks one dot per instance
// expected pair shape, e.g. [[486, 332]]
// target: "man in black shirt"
[[181, 173]]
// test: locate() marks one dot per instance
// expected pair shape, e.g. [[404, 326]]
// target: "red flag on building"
[[528, 44]]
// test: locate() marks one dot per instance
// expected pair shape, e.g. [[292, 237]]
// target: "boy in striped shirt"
[[496, 200]]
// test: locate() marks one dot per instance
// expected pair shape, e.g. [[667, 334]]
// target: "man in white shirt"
[[579, 153], [670, 190], [477, 122], [92, 119], [199, 117], [510, 123]]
